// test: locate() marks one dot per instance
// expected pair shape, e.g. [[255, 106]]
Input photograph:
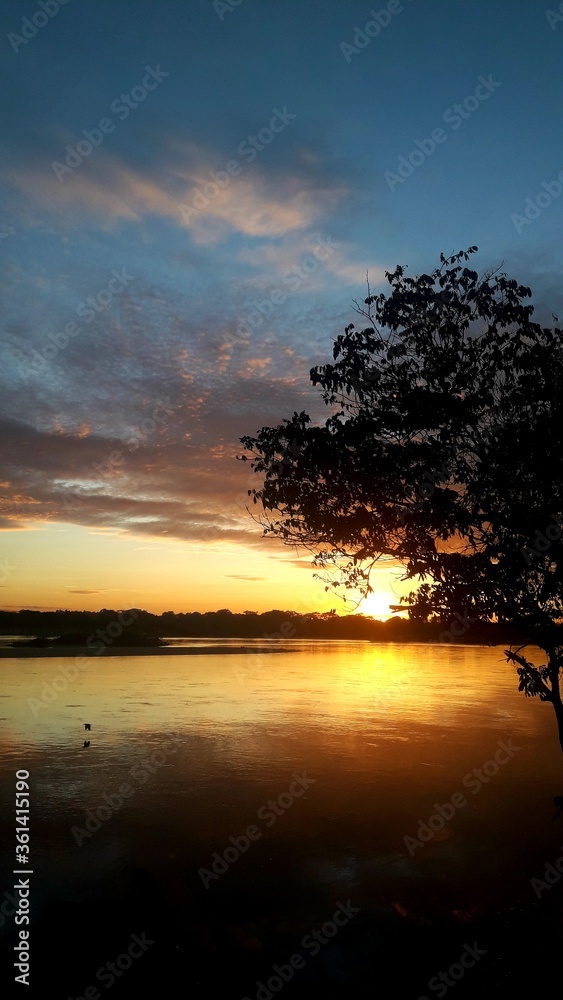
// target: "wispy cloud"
[[236, 576], [71, 590], [112, 191]]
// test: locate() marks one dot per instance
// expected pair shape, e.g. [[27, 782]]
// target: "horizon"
[[90, 611]]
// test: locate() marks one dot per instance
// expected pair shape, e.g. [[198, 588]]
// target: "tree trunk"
[[556, 696], [558, 708]]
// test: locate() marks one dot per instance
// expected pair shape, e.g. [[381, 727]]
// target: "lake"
[[230, 806]]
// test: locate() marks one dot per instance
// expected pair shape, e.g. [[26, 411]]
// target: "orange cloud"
[[117, 192]]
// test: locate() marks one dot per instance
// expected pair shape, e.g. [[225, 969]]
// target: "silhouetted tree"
[[442, 450]]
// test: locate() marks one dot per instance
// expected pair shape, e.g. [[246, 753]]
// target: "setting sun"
[[378, 605]]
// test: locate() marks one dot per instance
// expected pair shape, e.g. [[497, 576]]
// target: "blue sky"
[[202, 325]]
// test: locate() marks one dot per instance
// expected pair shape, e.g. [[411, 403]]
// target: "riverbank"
[[28, 652]]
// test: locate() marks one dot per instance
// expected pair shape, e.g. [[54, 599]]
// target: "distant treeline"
[[251, 625]]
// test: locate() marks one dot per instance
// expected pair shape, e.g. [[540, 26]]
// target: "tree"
[[442, 450]]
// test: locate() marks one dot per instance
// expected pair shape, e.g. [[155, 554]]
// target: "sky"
[[192, 196]]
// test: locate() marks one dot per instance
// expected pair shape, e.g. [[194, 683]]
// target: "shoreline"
[[64, 652], [29, 652]]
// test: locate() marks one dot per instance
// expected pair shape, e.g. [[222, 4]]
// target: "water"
[[376, 737]]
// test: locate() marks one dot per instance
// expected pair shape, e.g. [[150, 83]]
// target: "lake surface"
[[333, 754]]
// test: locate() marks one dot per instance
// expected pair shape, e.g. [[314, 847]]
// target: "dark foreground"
[[131, 936]]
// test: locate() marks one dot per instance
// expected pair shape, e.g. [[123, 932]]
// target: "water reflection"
[[204, 743]]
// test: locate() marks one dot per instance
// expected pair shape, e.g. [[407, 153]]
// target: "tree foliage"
[[441, 450]]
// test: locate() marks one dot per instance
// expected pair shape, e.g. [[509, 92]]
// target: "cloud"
[[11, 524], [167, 335], [74, 448], [104, 197], [250, 208], [161, 489], [111, 191], [351, 273], [236, 576], [280, 265], [30, 607], [72, 591]]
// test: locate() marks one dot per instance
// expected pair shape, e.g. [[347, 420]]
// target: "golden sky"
[[73, 567]]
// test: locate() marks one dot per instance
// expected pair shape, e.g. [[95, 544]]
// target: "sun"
[[377, 605]]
